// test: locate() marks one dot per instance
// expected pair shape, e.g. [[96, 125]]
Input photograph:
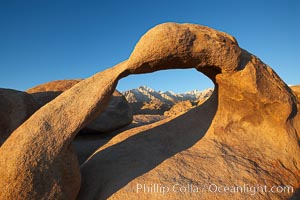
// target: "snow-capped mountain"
[[146, 94]]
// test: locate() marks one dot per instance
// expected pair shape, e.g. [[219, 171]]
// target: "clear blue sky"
[[45, 40]]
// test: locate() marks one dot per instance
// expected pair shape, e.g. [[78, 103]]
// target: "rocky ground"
[[246, 134]]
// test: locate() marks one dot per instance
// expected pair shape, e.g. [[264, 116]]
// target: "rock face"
[[296, 90], [247, 137], [116, 115], [15, 108], [37, 160], [179, 108], [153, 107]]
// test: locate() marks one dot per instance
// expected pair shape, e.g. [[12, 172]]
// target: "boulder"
[[46, 92], [245, 134], [15, 108], [116, 115], [296, 90]]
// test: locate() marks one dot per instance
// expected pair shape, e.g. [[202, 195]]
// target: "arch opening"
[[176, 90]]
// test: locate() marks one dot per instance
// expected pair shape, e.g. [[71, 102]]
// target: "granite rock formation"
[[244, 134], [116, 115], [15, 108], [247, 137], [296, 90], [37, 161]]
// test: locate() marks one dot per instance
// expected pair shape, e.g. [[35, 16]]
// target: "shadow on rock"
[[110, 169]]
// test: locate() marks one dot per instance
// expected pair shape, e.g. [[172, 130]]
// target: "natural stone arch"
[[171, 46], [37, 159]]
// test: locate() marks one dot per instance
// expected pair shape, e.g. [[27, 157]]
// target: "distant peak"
[[168, 92], [145, 87], [192, 92]]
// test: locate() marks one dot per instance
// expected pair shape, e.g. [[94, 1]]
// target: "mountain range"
[[145, 100], [146, 94]]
